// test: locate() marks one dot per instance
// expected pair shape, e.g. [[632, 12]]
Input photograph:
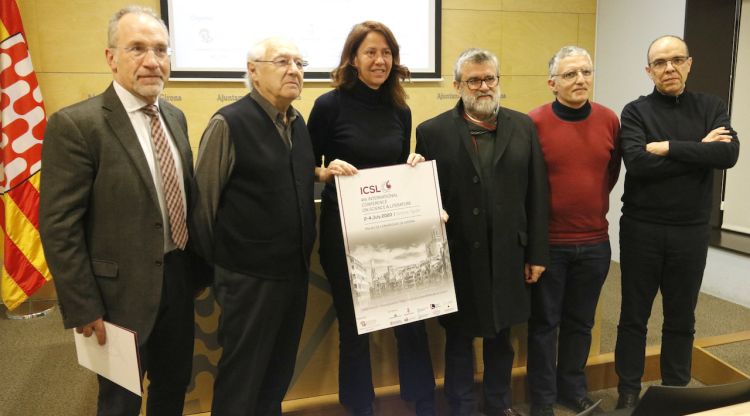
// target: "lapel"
[[505, 128], [122, 130], [464, 136]]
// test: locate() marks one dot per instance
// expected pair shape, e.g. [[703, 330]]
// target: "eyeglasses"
[[285, 62], [139, 52], [571, 75], [476, 83], [661, 64]]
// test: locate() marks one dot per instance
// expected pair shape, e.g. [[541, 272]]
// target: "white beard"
[[480, 108]]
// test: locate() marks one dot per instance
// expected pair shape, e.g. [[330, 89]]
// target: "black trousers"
[[259, 330], [459, 373], [166, 355], [564, 298], [658, 257], [356, 391]]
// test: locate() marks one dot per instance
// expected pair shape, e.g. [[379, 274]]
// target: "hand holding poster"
[[396, 245]]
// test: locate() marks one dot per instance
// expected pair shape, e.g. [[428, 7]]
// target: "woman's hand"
[[414, 158], [335, 168], [444, 216]]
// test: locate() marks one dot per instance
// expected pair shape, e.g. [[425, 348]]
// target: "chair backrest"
[[678, 401]]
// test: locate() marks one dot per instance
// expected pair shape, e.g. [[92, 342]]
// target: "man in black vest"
[[256, 224]]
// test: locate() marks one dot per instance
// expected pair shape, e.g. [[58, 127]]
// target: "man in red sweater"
[[579, 142]]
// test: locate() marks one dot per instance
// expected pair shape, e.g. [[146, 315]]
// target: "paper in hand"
[[116, 360]]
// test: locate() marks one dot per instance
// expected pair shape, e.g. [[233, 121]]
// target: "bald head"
[[661, 41], [669, 64]]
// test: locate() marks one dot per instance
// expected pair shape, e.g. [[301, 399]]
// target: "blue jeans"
[[564, 298]]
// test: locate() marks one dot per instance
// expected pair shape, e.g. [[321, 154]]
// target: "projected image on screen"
[[210, 40]]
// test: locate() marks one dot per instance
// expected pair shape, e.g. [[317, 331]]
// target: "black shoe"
[[627, 400], [363, 411], [580, 405], [425, 407], [542, 410]]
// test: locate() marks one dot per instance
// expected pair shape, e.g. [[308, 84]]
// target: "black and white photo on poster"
[[396, 245]]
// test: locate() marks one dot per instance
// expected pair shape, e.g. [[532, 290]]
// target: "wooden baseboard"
[[710, 369], [600, 372]]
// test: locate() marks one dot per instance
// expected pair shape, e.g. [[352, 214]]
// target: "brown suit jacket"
[[100, 221]]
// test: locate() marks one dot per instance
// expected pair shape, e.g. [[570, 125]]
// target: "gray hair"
[[476, 56], [134, 9], [259, 50], [563, 53]]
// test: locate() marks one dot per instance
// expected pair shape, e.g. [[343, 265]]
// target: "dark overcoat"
[[488, 270]]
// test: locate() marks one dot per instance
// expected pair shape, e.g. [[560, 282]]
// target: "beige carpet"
[[41, 376]]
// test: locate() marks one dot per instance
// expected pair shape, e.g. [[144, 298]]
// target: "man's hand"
[[532, 272], [719, 134], [96, 327], [658, 148]]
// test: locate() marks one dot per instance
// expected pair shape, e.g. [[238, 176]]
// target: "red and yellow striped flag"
[[23, 122]]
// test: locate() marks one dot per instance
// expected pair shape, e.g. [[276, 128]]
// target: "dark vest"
[[265, 223]]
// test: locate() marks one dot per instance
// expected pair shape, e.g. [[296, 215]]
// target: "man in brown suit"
[[114, 190]]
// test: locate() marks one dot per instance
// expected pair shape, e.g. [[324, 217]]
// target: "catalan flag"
[[23, 121]]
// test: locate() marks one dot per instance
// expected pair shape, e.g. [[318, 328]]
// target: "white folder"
[[116, 360]]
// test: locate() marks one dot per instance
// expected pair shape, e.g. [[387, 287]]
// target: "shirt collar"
[[131, 102], [272, 112], [668, 99]]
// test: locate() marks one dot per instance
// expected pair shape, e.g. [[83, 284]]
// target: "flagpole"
[[31, 310], [41, 304]]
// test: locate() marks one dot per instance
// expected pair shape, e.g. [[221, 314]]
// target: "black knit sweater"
[[674, 189], [358, 126]]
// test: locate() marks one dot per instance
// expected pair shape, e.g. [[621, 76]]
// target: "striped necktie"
[[172, 191]]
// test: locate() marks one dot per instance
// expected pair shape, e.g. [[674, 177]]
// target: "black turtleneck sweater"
[[359, 126], [569, 113], [674, 189]]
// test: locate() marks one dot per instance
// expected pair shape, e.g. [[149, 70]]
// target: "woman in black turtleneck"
[[363, 123]]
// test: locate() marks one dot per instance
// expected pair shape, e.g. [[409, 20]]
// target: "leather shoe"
[[363, 411], [542, 410], [580, 405], [425, 407], [627, 400]]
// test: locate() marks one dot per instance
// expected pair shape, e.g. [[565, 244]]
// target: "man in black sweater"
[[671, 140]]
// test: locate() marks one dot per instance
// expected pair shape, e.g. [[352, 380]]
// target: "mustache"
[[486, 107]]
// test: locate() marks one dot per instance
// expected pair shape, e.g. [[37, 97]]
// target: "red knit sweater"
[[583, 164]]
